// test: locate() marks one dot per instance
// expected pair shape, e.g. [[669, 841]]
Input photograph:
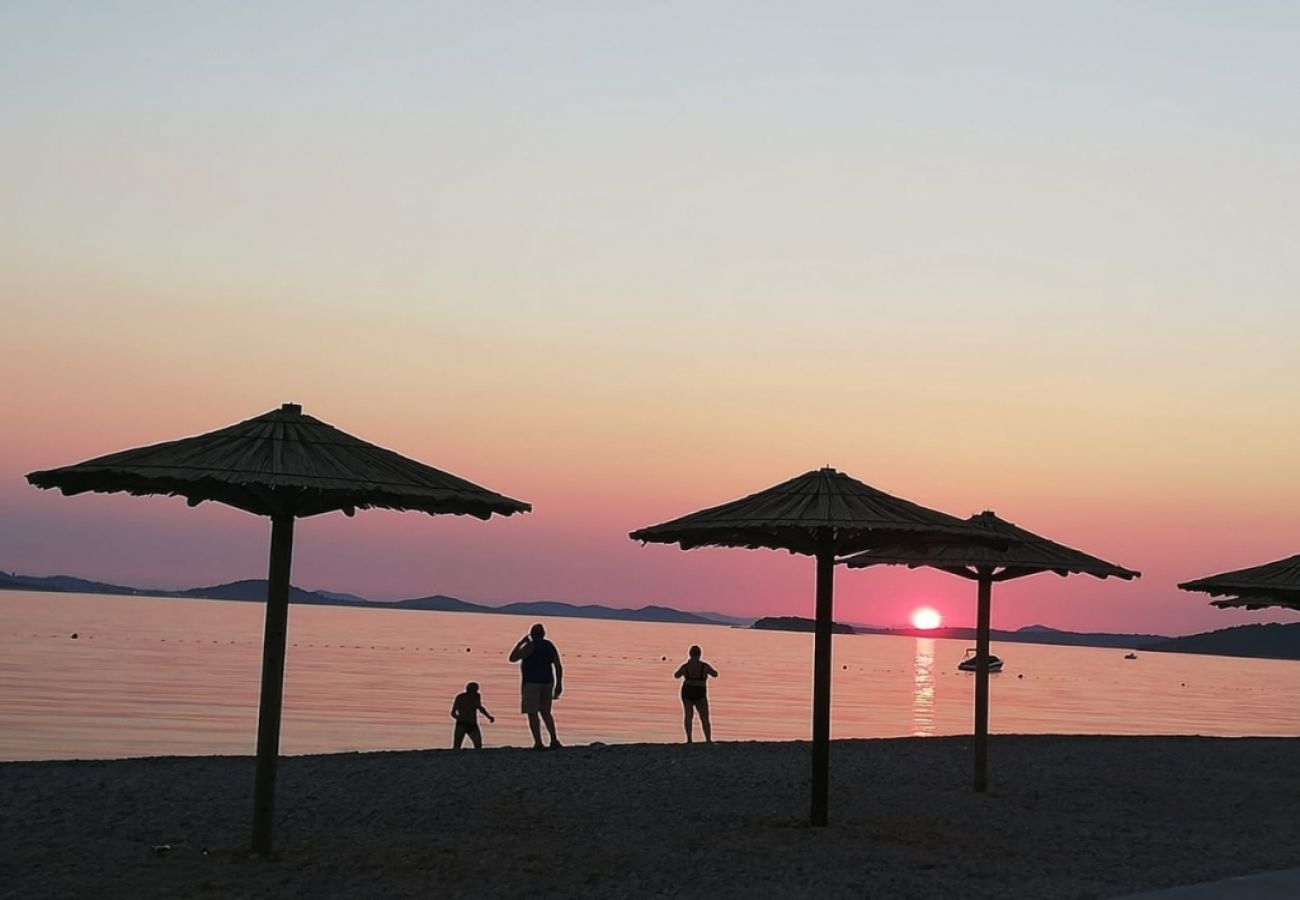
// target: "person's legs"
[[459, 737], [550, 727], [688, 719], [476, 736], [530, 703], [545, 696], [703, 706]]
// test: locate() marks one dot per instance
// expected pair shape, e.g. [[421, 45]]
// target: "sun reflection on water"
[[923, 689]]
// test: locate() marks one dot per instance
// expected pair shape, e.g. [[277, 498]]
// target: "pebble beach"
[[1066, 816]]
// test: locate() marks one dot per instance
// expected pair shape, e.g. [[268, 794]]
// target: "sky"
[[625, 263]]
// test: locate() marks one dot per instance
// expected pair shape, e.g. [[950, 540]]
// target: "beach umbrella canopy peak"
[[820, 511], [1022, 553], [283, 462]]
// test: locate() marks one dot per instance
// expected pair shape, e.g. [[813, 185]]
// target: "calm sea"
[[151, 676]]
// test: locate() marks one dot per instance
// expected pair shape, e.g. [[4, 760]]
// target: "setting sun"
[[926, 618]]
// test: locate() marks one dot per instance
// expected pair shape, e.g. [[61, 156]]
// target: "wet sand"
[[1065, 817]]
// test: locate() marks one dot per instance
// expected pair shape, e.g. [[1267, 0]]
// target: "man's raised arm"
[[523, 648]]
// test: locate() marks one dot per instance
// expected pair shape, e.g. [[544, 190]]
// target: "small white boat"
[[970, 663]]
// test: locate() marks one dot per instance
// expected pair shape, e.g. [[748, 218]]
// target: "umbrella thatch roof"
[[1024, 553], [281, 463], [816, 506], [1259, 601], [1272, 584]]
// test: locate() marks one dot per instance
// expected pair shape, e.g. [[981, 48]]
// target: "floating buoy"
[[74, 635], [466, 649]]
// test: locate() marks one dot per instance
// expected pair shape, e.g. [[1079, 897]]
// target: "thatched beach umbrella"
[[1272, 584], [1025, 553], [285, 465], [823, 514]]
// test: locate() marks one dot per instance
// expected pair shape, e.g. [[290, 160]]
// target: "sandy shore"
[[1066, 817]]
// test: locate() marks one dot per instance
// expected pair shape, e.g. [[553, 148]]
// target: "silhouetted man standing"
[[543, 680]]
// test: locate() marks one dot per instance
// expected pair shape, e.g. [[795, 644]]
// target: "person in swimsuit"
[[696, 673], [465, 709]]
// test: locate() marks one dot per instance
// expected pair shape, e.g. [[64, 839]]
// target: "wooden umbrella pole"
[[982, 679], [268, 718], [821, 729]]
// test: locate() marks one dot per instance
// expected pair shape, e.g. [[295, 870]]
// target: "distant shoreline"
[[1273, 641], [254, 591], [1270, 641]]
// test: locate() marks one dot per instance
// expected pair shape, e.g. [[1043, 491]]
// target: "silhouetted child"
[[465, 709]]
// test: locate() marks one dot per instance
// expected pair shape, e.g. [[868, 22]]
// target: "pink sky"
[[574, 546]]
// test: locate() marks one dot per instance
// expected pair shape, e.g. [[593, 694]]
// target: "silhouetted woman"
[[695, 693]]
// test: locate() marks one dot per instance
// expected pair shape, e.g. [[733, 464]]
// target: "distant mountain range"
[[1033, 634], [1274, 641], [254, 590], [12, 582], [1260, 641]]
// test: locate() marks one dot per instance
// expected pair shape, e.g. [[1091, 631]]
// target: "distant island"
[[1033, 634], [1273, 641], [254, 590], [797, 623]]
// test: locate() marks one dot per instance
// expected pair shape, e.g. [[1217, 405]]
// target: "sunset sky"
[[624, 265]]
